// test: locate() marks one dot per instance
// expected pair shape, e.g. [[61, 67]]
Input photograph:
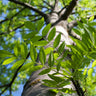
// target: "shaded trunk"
[[38, 89]]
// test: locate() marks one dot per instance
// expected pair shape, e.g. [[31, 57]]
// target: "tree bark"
[[38, 89], [34, 85]]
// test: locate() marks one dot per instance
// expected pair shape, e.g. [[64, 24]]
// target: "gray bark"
[[61, 26], [38, 89]]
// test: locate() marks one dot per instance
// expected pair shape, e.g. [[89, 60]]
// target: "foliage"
[[21, 53]]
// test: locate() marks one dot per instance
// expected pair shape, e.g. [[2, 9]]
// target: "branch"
[[56, 5], [12, 16], [69, 10], [14, 77], [29, 7], [18, 27], [77, 87], [74, 22], [48, 4]]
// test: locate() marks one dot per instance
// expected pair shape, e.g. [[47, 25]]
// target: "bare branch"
[[69, 9], [67, 12], [56, 5], [29, 7], [77, 87]]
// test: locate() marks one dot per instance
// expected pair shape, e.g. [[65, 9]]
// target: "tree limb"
[[74, 22], [56, 5], [67, 12], [69, 9], [18, 27], [14, 77], [12, 16], [29, 7], [48, 4], [77, 87]]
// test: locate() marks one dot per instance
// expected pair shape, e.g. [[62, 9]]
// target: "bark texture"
[[38, 89]]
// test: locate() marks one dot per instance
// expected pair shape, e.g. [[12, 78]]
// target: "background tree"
[[57, 38]]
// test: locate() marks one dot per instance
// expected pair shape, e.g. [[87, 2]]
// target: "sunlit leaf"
[[85, 71], [57, 40], [4, 53], [52, 34], [90, 71], [17, 64], [17, 48], [51, 59], [26, 66], [58, 66], [61, 48], [40, 24], [46, 30], [40, 43], [48, 50], [42, 55], [33, 52], [30, 25], [56, 78], [94, 64], [45, 71], [9, 60]]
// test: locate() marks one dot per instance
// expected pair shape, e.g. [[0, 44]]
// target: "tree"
[[56, 47]]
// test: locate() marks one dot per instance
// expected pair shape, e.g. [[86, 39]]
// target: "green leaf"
[[92, 55], [48, 50], [61, 48], [55, 78], [80, 45], [33, 52], [17, 48], [42, 56], [91, 18], [45, 71], [35, 38], [17, 64], [51, 59], [94, 64], [4, 53], [89, 30], [30, 25], [67, 90], [64, 83], [41, 43], [58, 66], [77, 31], [85, 71], [57, 40], [40, 24], [26, 66], [80, 24], [94, 36], [46, 30], [52, 34], [90, 71], [24, 50], [29, 35], [50, 83], [9, 60]]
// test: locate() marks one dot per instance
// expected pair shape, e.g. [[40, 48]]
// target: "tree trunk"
[[38, 89]]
